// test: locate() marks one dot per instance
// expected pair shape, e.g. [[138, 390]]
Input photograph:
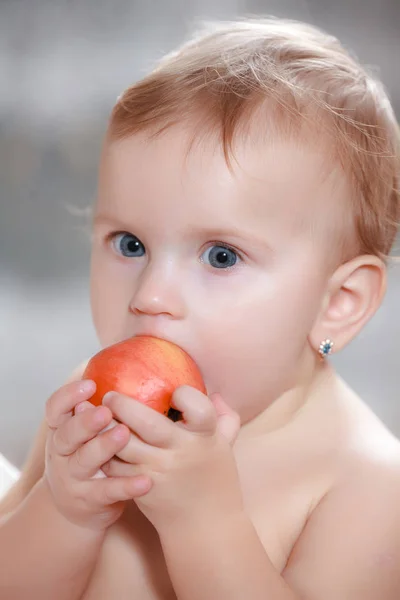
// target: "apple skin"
[[147, 368]]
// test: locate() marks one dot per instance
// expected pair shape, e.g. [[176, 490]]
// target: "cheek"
[[255, 347], [109, 303]]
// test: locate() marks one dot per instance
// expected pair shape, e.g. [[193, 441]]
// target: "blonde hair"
[[228, 70]]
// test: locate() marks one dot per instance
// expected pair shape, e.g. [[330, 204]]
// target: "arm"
[[224, 560], [31, 529], [33, 467], [194, 500], [30, 474], [349, 549], [42, 551]]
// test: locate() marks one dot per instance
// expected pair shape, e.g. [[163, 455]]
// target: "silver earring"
[[325, 348]]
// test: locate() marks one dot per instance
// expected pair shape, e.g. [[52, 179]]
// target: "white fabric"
[[8, 474]]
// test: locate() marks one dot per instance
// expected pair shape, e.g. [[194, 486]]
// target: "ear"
[[354, 293]]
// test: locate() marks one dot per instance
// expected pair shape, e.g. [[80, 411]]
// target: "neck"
[[295, 401]]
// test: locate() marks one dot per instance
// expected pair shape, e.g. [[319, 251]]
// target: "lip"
[[158, 335], [162, 336]]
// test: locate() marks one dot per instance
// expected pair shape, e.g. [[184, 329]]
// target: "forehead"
[[277, 182]]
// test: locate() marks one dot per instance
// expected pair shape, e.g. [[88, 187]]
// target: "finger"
[[139, 451], [119, 489], [82, 406], [60, 405], [199, 414], [91, 456], [228, 420], [80, 429], [152, 427], [116, 467]]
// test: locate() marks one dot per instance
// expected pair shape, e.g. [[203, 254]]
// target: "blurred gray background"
[[62, 65]]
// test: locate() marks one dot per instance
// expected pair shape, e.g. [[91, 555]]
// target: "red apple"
[[146, 368]]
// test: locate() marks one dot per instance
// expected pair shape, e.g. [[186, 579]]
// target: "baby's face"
[[229, 266]]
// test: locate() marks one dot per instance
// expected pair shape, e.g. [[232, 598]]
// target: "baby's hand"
[[189, 465], [76, 449]]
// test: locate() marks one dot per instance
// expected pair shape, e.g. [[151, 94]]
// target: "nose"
[[159, 292]]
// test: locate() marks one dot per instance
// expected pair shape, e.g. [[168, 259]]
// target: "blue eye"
[[220, 257], [128, 245]]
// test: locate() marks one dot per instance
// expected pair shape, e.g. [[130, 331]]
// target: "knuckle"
[[55, 403], [114, 468], [49, 411], [86, 421], [61, 440], [110, 492], [85, 426], [57, 445], [80, 458]]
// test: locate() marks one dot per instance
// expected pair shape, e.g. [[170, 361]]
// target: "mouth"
[[160, 335]]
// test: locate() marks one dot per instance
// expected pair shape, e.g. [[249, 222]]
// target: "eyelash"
[[111, 237], [226, 247]]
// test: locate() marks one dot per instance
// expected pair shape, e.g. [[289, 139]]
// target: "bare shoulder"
[[33, 468], [350, 545]]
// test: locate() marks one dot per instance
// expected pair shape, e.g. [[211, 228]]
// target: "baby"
[[248, 201]]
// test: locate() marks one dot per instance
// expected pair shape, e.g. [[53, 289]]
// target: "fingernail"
[[81, 407], [86, 386]]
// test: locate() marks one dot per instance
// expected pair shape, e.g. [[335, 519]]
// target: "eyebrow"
[[104, 219], [215, 233], [232, 232]]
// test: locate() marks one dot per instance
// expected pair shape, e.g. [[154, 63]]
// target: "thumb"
[[228, 421]]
